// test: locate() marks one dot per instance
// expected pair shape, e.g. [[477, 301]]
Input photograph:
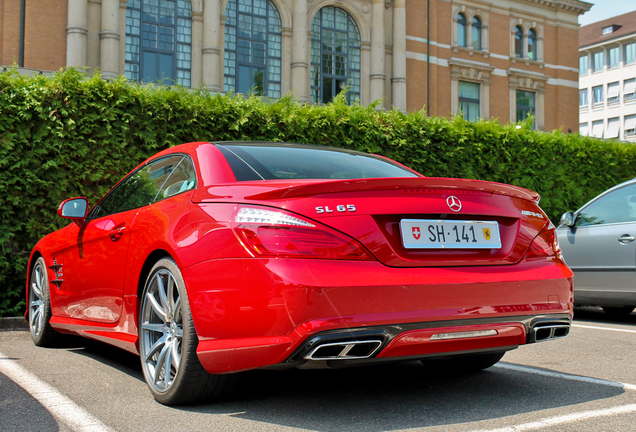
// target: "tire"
[[618, 312], [168, 342], [39, 314], [470, 363]]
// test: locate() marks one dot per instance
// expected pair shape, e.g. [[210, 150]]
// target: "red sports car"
[[215, 258]]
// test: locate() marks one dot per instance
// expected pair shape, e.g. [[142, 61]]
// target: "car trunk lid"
[[377, 213]]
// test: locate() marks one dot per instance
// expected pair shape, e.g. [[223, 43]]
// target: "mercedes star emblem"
[[454, 203]]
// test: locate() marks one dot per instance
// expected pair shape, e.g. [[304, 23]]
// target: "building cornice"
[[576, 6]]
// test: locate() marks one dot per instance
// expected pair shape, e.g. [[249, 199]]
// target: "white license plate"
[[449, 234]]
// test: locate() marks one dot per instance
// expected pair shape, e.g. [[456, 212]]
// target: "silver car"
[[598, 245]]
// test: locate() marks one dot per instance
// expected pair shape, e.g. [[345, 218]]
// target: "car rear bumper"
[[255, 313]]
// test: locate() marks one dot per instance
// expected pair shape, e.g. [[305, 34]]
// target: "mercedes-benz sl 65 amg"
[[215, 258]]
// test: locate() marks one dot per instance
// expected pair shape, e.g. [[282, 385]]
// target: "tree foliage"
[[69, 135]]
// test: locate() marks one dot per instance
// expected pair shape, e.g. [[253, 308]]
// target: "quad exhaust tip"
[[545, 332], [348, 350]]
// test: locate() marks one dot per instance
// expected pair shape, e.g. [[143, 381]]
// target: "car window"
[[182, 179], [138, 189], [269, 162], [615, 207]]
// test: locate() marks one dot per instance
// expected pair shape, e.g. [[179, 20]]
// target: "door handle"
[[116, 233], [626, 238]]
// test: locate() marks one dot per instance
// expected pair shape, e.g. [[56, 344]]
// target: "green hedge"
[[70, 135]]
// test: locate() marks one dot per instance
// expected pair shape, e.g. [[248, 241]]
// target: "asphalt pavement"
[[585, 382]]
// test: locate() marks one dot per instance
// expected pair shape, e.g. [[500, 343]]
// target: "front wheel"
[[40, 307], [464, 363], [168, 341]]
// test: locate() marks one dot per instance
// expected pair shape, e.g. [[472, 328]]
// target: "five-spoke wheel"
[[40, 306], [168, 341]]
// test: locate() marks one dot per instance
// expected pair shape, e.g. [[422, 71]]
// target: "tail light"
[[546, 244], [276, 233]]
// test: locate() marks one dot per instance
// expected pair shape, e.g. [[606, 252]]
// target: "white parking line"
[[570, 418], [604, 328], [536, 371], [61, 407]]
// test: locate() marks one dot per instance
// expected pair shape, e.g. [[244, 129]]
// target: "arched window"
[[253, 46], [518, 42], [159, 41], [335, 55], [532, 44], [461, 30], [476, 35]]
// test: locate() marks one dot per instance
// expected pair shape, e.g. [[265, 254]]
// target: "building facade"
[[607, 83], [500, 59]]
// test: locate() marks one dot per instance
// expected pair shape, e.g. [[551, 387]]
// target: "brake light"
[[275, 233], [546, 244]]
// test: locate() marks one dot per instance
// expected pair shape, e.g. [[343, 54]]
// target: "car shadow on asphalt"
[[396, 396], [117, 358], [376, 398]]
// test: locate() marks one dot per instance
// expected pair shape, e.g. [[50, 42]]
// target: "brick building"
[[499, 59]]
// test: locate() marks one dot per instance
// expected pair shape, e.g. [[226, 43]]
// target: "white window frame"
[[613, 127], [595, 66], [629, 89], [613, 93], [597, 128], [586, 99], [597, 101], [617, 50], [630, 125], [631, 46], [586, 59]]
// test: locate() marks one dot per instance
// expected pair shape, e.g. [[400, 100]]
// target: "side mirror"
[[75, 209], [567, 219]]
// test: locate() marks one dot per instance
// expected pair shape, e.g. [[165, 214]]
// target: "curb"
[[13, 323]]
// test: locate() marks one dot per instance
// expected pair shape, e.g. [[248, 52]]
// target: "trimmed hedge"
[[69, 135]]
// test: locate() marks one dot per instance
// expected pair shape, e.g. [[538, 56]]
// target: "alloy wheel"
[[36, 300], [161, 330]]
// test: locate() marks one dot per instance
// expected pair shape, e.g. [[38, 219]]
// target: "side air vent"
[[344, 350]]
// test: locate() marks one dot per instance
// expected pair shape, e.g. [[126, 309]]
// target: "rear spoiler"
[[421, 183]]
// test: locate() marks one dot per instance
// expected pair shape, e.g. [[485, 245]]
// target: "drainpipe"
[[428, 57], [22, 20]]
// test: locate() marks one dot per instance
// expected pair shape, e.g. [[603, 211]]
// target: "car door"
[[94, 267], [601, 250]]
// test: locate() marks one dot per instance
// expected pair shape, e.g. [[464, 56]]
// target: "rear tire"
[[618, 312], [464, 363], [168, 342], [39, 314]]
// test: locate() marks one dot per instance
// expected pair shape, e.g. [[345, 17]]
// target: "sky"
[[603, 9]]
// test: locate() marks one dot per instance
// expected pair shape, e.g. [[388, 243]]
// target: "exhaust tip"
[[546, 331], [348, 350]]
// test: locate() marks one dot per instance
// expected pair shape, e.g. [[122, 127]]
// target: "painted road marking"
[[569, 418], [542, 372], [604, 328], [61, 407]]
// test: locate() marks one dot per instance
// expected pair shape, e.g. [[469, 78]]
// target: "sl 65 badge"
[[339, 208]]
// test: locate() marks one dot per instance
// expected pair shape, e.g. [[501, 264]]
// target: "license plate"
[[449, 234]]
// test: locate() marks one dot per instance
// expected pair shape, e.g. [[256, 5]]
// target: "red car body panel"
[[253, 312]]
